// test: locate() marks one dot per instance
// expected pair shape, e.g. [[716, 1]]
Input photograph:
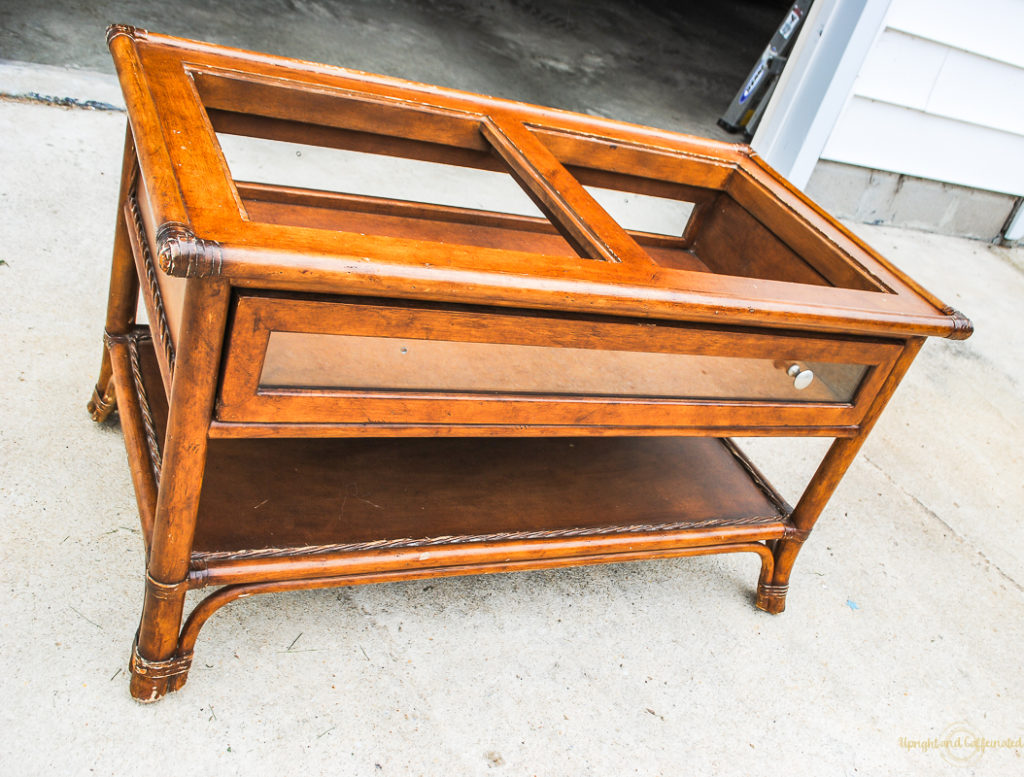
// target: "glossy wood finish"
[[448, 125], [265, 469], [729, 352]]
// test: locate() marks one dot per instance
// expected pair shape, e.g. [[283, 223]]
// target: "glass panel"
[[741, 231], [373, 175], [376, 194], [304, 360], [644, 212]]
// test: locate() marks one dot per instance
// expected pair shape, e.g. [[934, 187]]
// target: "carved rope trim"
[[544, 534], [149, 426], [183, 254], [759, 480], [163, 327]]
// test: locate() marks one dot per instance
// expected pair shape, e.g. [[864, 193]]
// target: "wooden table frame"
[[758, 273]]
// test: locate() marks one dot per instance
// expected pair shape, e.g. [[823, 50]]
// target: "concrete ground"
[[905, 619], [674, 64]]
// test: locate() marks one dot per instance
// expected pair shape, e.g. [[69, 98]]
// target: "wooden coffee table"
[[340, 387]]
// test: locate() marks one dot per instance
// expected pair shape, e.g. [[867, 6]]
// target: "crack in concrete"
[[961, 538]]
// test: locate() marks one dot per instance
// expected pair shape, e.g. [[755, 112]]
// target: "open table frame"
[[255, 487]]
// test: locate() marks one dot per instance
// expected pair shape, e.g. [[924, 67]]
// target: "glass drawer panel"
[[341, 361]]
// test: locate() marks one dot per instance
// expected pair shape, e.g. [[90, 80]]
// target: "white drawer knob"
[[801, 378]]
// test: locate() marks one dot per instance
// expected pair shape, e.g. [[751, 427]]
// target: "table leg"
[[124, 292], [157, 665], [771, 596]]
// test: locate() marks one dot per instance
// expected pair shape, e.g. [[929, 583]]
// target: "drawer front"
[[358, 361]]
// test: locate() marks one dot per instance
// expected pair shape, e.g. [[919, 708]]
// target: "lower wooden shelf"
[[290, 509]]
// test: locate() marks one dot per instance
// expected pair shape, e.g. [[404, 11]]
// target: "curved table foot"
[[771, 598], [102, 404], [153, 679]]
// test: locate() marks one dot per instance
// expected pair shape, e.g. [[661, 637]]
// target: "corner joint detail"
[[126, 30], [182, 254], [962, 325], [797, 535]]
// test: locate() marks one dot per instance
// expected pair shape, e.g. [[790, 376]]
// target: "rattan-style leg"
[[771, 596], [156, 665], [124, 293]]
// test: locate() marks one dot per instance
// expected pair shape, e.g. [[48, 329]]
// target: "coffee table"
[[340, 386]]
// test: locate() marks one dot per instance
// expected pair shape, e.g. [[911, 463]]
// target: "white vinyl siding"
[[941, 96], [989, 27]]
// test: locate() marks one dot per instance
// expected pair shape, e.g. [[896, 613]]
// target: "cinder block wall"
[[881, 197]]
